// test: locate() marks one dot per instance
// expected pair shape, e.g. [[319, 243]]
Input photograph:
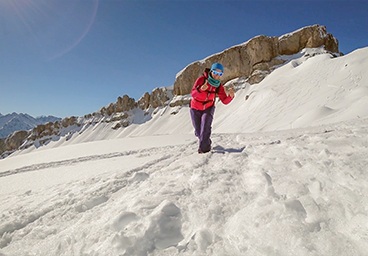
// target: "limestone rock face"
[[14, 140], [124, 103], [242, 60], [110, 109], [2, 146], [68, 121], [144, 101], [159, 97], [308, 37]]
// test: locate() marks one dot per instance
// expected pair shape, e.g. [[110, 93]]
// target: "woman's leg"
[[206, 130], [196, 116]]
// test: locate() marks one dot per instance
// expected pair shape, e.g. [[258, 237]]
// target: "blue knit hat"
[[217, 66]]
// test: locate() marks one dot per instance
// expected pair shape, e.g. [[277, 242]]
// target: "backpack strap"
[[207, 70], [199, 86]]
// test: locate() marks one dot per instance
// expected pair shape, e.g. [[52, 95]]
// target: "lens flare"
[[51, 28]]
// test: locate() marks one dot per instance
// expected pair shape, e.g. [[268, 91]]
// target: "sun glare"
[[49, 27]]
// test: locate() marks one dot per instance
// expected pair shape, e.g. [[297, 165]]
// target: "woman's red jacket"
[[202, 100]]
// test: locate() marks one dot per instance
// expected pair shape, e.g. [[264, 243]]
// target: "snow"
[[288, 176]]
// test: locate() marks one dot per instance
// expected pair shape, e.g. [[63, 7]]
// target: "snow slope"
[[287, 176]]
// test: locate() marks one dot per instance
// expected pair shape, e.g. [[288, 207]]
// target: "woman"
[[202, 105]]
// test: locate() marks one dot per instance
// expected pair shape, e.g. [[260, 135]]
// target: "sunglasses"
[[217, 73]]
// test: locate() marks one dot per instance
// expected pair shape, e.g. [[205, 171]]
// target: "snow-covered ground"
[[287, 176]]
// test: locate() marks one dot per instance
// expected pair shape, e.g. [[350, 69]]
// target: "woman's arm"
[[226, 99]]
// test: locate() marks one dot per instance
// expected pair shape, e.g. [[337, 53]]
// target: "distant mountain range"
[[20, 122]]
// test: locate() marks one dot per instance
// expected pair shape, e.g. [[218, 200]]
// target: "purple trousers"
[[202, 122]]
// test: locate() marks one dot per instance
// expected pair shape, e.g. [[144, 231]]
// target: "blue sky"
[[72, 57]]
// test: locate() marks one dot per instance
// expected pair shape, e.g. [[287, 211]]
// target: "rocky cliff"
[[252, 61], [257, 54]]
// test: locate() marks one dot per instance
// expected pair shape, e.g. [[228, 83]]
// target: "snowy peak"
[[19, 122]]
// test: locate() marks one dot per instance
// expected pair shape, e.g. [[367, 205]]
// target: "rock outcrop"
[[159, 97], [144, 101], [245, 59], [13, 142], [125, 103]]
